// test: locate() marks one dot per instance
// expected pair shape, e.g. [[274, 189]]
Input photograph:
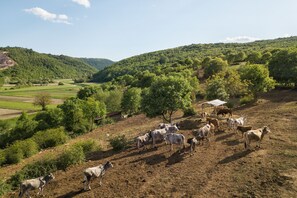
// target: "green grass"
[[25, 106], [55, 91]]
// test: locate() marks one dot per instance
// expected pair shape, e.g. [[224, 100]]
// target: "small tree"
[[215, 88], [214, 66], [131, 101], [166, 96], [93, 109], [42, 99], [258, 78]]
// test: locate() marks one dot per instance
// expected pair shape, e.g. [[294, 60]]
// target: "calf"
[[224, 112], [203, 133], [234, 122], [95, 172], [192, 141], [215, 122], [143, 139], [30, 184], [255, 135]]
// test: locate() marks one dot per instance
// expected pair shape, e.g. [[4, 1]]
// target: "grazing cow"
[[94, 172], [255, 135], [143, 139], [192, 141], [224, 112], [215, 122], [30, 184], [204, 132], [204, 114], [233, 123], [171, 129], [243, 129], [174, 138], [157, 134]]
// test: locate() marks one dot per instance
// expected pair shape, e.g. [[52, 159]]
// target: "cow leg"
[[171, 147], [27, 193], [100, 180]]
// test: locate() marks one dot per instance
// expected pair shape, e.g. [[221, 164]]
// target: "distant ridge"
[[98, 63], [26, 65]]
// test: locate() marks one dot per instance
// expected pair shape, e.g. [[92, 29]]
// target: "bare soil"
[[221, 169]]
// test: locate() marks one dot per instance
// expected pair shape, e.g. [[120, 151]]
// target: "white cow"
[[97, 171], [143, 139], [173, 138], [234, 122], [30, 184], [254, 135]]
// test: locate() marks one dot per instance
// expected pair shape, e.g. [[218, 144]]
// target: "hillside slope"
[[33, 66], [175, 59], [98, 63], [222, 169]]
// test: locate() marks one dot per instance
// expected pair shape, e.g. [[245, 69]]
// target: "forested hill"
[[192, 56], [98, 63], [31, 66]]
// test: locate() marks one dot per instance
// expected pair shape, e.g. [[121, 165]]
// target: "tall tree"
[[215, 65], [166, 96], [93, 109]]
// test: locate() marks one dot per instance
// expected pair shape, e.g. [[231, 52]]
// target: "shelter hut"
[[214, 103]]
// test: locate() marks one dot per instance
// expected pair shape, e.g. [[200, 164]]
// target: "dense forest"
[[32, 67], [98, 63], [194, 56]]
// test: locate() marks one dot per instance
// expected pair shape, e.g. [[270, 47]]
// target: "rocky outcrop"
[[5, 61]]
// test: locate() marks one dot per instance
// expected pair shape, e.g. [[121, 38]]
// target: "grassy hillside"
[[98, 63], [191, 56], [221, 169], [32, 66]]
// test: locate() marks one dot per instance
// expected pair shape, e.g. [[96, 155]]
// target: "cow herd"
[[169, 134]]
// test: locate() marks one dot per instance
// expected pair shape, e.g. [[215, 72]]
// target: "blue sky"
[[118, 29]]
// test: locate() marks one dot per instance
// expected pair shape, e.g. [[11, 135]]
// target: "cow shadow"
[[232, 142], [71, 194], [224, 137], [152, 159], [235, 157], [98, 155], [176, 157], [137, 152]]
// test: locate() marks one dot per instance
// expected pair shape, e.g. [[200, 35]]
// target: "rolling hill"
[[187, 57], [98, 63], [31, 66]]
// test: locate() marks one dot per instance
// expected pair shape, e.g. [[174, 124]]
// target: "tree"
[[86, 92], [93, 109], [215, 65], [215, 88], [166, 96], [266, 57], [50, 118], [257, 77], [42, 99], [254, 57], [131, 101], [283, 66]]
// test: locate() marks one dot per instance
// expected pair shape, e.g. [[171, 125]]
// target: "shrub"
[[60, 83], [2, 157], [4, 188], [50, 137], [88, 146], [189, 112], [230, 104], [119, 142], [19, 150], [104, 121], [247, 99], [74, 155]]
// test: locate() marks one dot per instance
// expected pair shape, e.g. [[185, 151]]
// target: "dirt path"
[[27, 99], [223, 169]]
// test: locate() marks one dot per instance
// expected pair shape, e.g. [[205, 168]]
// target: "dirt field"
[[222, 169]]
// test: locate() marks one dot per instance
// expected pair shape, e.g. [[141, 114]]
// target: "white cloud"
[[240, 39], [47, 16], [85, 3]]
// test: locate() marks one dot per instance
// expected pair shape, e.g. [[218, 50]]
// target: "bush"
[[4, 188], [105, 121], [19, 150], [189, 112], [60, 83], [247, 99], [119, 142], [230, 104], [88, 146], [74, 155], [50, 137], [2, 157]]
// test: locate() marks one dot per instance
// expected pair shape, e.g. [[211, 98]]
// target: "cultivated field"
[[222, 169], [14, 101]]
